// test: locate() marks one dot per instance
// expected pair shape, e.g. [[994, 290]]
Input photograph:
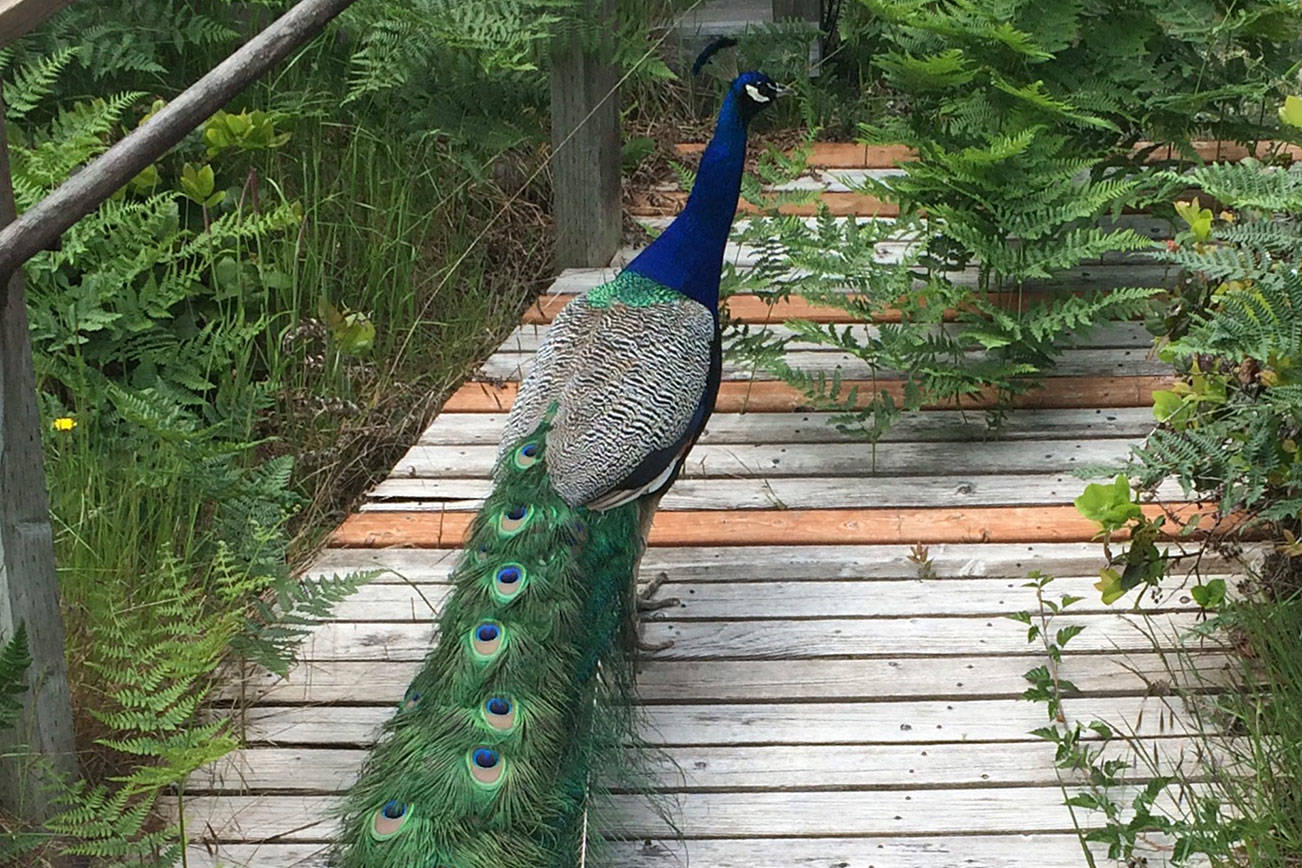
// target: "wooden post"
[[42, 746], [19, 16], [585, 148], [804, 10]]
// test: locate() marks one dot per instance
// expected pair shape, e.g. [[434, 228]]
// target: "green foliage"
[[246, 131], [949, 344], [1230, 429], [1023, 115], [14, 660], [1119, 792], [1112, 506], [1227, 431], [169, 531]]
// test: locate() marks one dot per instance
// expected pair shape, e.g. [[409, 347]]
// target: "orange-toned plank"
[[1214, 151], [839, 204], [781, 526], [746, 307], [850, 155], [768, 396], [837, 155], [753, 309], [479, 397]]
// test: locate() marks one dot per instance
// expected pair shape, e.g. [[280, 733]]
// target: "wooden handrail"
[[19, 16], [42, 224]]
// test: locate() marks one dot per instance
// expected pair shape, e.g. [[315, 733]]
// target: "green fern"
[[26, 87], [14, 660]]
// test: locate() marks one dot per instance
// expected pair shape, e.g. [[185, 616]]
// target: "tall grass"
[[1254, 729], [177, 501]]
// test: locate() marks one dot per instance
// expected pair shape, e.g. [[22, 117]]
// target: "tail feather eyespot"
[[486, 639], [514, 520], [526, 456], [486, 766], [499, 713], [389, 819], [509, 580]]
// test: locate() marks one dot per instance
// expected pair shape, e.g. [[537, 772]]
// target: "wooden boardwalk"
[[824, 704]]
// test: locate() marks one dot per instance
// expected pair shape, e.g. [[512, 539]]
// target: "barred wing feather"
[[626, 382]]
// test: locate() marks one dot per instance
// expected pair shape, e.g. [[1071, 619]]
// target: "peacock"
[[494, 753]]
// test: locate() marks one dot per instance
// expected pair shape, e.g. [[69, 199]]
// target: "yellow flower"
[[64, 423]]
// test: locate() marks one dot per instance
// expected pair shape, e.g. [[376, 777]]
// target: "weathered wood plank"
[[707, 601], [1080, 278], [1124, 335], [745, 254], [755, 309], [849, 204], [845, 460], [403, 494], [867, 813], [1071, 362], [933, 851], [892, 722], [786, 562], [853, 155], [769, 397], [907, 526], [39, 747], [792, 768], [790, 638], [316, 682], [482, 429]]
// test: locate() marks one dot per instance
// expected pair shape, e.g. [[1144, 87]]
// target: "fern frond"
[[14, 661]]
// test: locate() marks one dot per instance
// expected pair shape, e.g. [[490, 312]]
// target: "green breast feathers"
[[632, 290]]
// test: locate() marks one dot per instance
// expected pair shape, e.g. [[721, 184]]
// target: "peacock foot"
[[644, 647], [646, 601]]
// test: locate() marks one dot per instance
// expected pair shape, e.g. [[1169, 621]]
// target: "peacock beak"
[[782, 90]]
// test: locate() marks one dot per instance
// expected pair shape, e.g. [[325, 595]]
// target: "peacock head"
[[754, 91]]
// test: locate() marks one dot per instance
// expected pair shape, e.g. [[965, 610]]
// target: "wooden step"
[[781, 527], [771, 397]]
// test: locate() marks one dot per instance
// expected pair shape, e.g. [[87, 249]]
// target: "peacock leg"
[[646, 601]]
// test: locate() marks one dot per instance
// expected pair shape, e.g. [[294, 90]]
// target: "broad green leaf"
[[1198, 218], [1291, 111], [1109, 585], [1209, 595], [357, 334], [1109, 504]]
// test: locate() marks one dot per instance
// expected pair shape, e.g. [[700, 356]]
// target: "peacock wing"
[[626, 382]]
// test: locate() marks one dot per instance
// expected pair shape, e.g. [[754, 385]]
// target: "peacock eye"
[[499, 713], [389, 820], [486, 765], [486, 640], [526, 456], [411, 699], [509, 580], [514, 519]]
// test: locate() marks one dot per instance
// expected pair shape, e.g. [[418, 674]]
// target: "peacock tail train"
[[487, 749], [523, 710]]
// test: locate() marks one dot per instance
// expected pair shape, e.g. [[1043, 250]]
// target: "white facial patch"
[[755, 94]]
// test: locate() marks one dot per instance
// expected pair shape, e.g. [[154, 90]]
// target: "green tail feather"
[[489, 759]]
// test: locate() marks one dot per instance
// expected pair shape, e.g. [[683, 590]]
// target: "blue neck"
[[688, 255]]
